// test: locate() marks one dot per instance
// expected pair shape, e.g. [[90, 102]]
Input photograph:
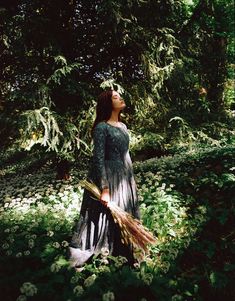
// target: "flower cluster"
[[78, 290], [29, 289], [90, 280], [109, 296]]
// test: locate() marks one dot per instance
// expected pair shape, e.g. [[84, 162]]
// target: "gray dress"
[[111, 167]]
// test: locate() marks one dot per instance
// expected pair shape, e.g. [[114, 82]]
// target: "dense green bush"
[[206, 182], [180, 137]]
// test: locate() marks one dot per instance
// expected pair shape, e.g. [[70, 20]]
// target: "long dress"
[[111, 167]]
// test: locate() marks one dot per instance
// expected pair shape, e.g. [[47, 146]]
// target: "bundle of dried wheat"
[[132, 231]]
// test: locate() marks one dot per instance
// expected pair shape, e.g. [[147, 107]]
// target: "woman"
[[111, 170]]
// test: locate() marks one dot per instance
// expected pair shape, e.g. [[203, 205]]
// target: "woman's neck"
[[114, 116]]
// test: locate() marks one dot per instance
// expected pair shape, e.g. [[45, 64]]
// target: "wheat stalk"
[[132, 230]]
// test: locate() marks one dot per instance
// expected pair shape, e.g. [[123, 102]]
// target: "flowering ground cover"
[[187, 200]]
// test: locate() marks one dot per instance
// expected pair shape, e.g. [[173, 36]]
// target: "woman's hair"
[[104, 108]]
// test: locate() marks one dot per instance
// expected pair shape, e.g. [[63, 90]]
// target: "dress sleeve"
[[99, 139]]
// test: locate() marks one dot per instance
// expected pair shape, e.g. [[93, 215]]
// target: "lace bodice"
[[111, 147]]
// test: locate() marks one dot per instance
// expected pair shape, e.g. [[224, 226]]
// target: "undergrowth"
[[187, 200]]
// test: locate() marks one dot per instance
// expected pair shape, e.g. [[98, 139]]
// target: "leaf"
[[218, 280], [60, 59], [172, 233]]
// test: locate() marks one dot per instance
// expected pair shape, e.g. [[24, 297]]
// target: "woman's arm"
[[99, 138]]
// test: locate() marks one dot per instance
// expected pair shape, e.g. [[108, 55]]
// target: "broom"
[[132, 231]]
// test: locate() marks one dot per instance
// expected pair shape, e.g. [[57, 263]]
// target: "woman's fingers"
[[105, 197]]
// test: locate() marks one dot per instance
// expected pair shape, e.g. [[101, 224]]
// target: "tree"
[[57, 54], [206, 37]]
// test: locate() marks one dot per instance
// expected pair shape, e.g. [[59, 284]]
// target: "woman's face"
[[118, 102]]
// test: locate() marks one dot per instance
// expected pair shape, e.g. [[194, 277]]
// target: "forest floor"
[[186, 200]]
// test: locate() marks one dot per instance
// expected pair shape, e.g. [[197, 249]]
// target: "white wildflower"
[[15, 228], [176, 298], [120, 261], [5, 246], [78, 290], [50, 233], [29, 289], [21, 298], [55, 267], [104, 252], [31, 243], [52, 197], [11, 239], [147, 279], [165, 266], [109, 296], [104, 269], [56, 245], [104, 261], [57, 228], [64, 243], [136, 265], [74, 279], [89, 280]]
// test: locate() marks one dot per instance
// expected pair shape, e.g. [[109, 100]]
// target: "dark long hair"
[[104, 108]]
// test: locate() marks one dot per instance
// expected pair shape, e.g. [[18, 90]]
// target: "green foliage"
[[180, 136], [112, 84], [42, 128], [147, 144], [186, 200], [206, 183], [42, 120], [61, 73], [164, 57], [161, 59]]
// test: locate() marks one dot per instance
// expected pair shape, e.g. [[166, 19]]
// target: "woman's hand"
[[105, 196]]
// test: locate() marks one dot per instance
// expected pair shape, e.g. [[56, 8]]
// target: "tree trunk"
[[63, 170], [214, 73]]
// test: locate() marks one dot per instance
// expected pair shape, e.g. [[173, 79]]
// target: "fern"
[[63, 71], [51, 131], [112, 84], [161, 58], [42, 128]]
